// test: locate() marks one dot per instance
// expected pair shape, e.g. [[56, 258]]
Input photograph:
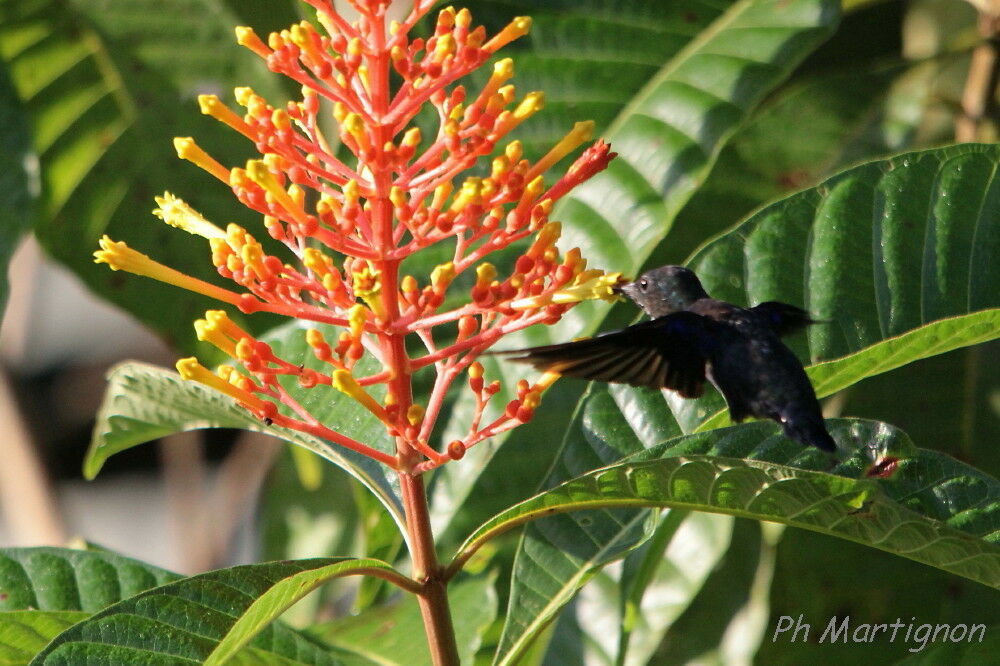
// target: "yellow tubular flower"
[[188, 150], [190, 368], [259, 173], [354, 126], [120, 257], [441, 193], [598, 287], [209, 332], [581, 132], [245, 36], [502, 71], [344, 382], [178, 214], [516, 28], [546, 380], [221, 320]]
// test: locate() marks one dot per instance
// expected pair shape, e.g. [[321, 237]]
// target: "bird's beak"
[[619, 288]]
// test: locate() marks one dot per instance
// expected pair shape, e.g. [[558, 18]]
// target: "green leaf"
[[569, 49], [888, 255], [393, 635], [933, 510], [809, 129], [144, 402], [203, 618], [60, 579], [875, 251], [24, 633], [107, 89], [628, 606], [667, 138]]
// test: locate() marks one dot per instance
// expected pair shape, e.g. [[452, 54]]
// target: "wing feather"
[[667, 352]]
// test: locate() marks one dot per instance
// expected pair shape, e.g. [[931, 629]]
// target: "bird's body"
[[692, 337]]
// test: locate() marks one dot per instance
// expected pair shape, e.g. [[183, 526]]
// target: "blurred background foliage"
[[92, 92]]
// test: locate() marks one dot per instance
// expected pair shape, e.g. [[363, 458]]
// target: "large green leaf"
[[627, 607], [809, 130], [874, 252], [107, 89], [763, 259], [144, 402], [888, 255], [186, 621], [24, 633], [571, 44], [933, 509], [391, 635], [59, 579], [667, 138]]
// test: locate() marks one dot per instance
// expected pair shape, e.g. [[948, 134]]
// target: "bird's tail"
[[810, 432]]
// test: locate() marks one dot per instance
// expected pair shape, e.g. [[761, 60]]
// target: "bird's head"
[[664, 290]]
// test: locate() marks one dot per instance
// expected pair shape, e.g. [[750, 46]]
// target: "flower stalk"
[[344, 226]]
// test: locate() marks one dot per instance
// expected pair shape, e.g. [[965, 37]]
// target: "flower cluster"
[[349, 225]]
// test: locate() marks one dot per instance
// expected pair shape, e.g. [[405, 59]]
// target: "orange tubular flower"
[[401, 193]]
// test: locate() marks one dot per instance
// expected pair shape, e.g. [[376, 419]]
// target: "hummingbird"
[[692, 337]]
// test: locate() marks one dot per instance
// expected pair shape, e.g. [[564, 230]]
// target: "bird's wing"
[[783, 318], [666, 352]]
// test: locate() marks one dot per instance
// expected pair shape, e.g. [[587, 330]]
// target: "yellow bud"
[[243, 94], [344, 382], [442, 275], [314, 260], [411, 137], [485, 273], [191, 369], [397, 196], [352, 191], [356, 319], [513, 152], [314, 338], [532, 102], [441, 194], [414, 414]]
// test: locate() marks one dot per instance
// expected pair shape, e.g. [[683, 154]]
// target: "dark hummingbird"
[[693, 337]]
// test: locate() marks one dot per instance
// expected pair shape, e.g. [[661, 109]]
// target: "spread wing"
[[784, 318], [666, 352]]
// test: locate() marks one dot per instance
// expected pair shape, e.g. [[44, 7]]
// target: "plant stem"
[[433, 597], [427, 573]]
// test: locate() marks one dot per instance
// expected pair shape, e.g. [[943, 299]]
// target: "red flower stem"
[[432, 597], [444, 379], [322, 432], [482, 339]]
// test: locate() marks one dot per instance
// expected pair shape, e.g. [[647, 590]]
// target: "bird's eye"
[[644, 284]]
